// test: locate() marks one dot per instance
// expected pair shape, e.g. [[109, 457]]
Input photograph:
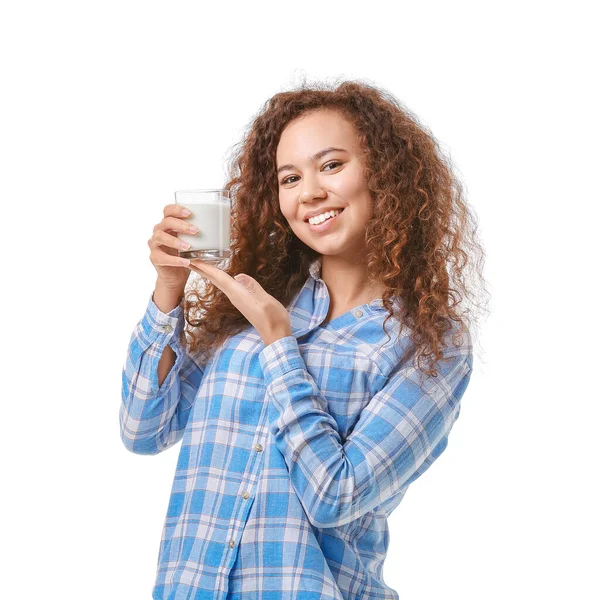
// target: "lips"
[[325, 225]]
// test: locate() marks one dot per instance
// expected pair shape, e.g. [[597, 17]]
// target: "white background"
[[108, 107]]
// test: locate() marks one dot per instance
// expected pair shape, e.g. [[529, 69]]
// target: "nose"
[[311, 189]]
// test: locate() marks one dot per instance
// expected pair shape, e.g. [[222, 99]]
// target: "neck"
[[348, 282]]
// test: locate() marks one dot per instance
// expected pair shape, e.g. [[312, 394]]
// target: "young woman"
[[304, 416]]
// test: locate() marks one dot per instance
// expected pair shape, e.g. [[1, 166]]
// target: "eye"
[[333, 163]]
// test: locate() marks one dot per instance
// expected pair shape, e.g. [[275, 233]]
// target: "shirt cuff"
[[159, 327], [280, 357]]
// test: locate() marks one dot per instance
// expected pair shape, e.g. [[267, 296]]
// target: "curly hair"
[[421, 242]]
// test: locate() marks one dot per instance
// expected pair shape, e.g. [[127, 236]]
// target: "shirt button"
[[246, 495], [167, 328], [358, 313], [258, 448], [232, 543]]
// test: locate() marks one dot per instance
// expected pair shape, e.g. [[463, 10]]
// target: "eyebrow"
[[316, 157]]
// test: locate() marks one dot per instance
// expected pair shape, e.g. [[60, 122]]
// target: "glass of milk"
[[210, 214]]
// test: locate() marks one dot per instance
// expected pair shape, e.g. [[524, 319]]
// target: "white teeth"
[[323, 217]]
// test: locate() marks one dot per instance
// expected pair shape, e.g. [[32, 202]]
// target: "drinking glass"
[[211, 215]]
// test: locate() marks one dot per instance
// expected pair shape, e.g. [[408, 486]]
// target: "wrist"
[[165, 298]]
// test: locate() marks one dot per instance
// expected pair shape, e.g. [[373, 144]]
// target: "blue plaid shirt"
[[293, 455]]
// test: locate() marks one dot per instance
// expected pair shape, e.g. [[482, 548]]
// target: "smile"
[[326, 224]]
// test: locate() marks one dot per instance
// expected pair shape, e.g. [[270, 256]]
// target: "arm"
[[398, 435], [153, 415], [166, 300]]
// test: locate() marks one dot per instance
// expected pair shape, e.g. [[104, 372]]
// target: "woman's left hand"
[[269, 317]]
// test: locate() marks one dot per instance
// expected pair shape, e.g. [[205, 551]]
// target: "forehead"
[[311, 132]]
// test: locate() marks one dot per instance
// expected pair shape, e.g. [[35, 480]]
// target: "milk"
[[213, 222]]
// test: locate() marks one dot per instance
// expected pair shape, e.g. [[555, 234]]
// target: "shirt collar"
[[311, 304]]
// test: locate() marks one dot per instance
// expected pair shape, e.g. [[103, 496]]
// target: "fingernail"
[[185, 212]]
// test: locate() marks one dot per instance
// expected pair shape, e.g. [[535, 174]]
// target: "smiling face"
[[310, 180]]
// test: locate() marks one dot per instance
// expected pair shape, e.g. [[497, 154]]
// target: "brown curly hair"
[[421, 241]]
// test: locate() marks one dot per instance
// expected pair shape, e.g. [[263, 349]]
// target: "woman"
[[304, 418]]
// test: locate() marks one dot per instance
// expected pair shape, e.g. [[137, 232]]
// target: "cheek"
[[286, 207], [355, 191], [351, 184]]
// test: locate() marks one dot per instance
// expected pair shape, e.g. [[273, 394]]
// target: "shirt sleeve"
[[153, 418], [398, 435]]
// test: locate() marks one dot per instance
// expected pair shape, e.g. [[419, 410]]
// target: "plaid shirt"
[[293, 455]]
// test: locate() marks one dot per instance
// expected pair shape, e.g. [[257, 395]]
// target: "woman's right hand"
[[172, 270]]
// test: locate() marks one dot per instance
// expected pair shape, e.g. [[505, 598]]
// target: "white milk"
[[213, 221]]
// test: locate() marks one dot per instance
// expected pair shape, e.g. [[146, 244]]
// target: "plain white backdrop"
[[108, 107]]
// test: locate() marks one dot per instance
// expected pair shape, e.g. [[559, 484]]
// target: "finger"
[[206, 276], [198, 266], [162, 259], [175, 210], [175, 224], [162, 238], [219, 277], [192, 268]]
